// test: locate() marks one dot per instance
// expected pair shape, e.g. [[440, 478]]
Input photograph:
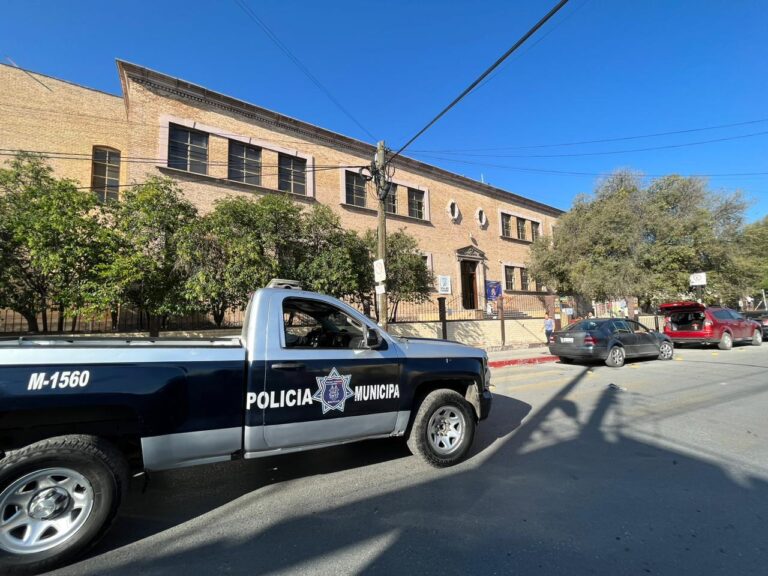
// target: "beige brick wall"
[[481, 333], [70, 118], [46, 114]]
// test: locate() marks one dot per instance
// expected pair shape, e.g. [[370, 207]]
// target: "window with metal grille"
[[187, 149], [390, 204], [244, 163], [506, 225], [534, 231], [292, 174], [524, 279], [509, 277], [520, 229], [416, 203], [105, 173], [355, 185]]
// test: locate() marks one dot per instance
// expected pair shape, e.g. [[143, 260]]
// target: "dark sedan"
[[610, 339]]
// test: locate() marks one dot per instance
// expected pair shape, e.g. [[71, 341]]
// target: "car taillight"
[[589, 340], [708, 324]]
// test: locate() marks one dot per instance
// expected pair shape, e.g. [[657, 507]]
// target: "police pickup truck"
[[79, 416]]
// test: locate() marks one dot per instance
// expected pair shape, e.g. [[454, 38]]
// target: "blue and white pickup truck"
[[78, 416]]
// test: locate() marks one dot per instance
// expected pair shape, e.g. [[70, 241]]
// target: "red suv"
[[693, 322]]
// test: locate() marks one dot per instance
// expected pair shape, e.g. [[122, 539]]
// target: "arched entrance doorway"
[[471, 273]]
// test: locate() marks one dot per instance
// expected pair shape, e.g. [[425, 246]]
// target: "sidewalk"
[[516, 357]]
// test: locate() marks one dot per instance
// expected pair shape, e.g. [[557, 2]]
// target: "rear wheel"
[[666, 351], [442, 429], [57, 497], [757, 338], [616, 357], [726, 342]]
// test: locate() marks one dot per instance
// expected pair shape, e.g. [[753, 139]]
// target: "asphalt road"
[[654, 468]]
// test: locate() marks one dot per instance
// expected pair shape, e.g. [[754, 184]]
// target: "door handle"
[[288, 366]]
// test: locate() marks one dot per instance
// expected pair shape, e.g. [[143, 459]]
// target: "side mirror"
[[372, 339]]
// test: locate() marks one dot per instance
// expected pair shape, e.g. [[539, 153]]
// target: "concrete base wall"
[[482, 333]]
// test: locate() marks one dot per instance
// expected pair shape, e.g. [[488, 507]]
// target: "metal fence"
[[122, 320], [456, 308]]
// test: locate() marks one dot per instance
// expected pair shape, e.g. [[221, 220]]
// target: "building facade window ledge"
[[363, 209], [515, 240], [252, 188]]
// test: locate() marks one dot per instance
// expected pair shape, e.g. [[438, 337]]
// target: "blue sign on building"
[[492, 289]]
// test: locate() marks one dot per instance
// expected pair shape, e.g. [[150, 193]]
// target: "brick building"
[[214, 145]]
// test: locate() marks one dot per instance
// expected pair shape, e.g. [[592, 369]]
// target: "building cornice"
[[186, 90]]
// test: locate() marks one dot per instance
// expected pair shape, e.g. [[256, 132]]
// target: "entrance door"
[[469, 284]]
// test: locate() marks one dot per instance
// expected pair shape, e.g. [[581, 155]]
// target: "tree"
[[229, 253], [53, 241], [149, 223], [633, 240], [408, 278], [754, 241]]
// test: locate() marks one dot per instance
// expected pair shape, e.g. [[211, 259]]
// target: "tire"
[[616, 357], [447, 411], [726, 341], [666, 351], [565, 360], [63, 493], [757, 338]]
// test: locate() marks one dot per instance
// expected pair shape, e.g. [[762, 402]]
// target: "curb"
[[520, 361]]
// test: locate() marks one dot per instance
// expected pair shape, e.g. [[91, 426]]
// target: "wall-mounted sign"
[[444, 284], [492, 289], [699, 279]]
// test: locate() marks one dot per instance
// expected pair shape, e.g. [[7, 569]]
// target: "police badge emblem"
[[333, 391]]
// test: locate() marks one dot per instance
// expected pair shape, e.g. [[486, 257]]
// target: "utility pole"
[[382, 190]]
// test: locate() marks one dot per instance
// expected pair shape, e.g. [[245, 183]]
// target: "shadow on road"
[[591, 502]]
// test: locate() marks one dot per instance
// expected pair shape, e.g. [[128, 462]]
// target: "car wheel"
[[57, 498], [616, 356], [757, 338], [726, 342], [666, 351], [565, 360], [442, 429]]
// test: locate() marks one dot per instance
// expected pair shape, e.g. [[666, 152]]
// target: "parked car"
[[610, 339], [761, 317], [692, 322], [79, 415]]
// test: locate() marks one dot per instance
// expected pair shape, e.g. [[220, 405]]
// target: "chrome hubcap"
[[43, 509], [618, 355], [446, 429], [666, 350]]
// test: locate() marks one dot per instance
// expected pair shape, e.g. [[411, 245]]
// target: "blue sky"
[[601, 69]]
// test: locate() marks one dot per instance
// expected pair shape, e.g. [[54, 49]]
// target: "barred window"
[[509, 277], [524, 279], [506, 225], [390, 204], [105, 173], [534, 231], [244, 163], [187, 149], [416, 203], [292, 174], [355, 185], [520, 229]]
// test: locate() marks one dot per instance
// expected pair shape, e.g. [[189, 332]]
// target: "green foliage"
[[53, 241], [149, 223], [631, 240], [755, 244], [408, 278]]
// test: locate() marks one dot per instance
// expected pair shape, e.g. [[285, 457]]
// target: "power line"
[[601, 140], [472, 86], [625, 151], [577, 173], [273, 37]]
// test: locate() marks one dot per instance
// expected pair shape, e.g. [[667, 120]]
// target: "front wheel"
[[616, 356], [666, 351], [443, 428], [726, 342], [57, 497], [757, 338]]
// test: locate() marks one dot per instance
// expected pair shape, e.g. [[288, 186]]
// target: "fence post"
[[656, 321], [500, 307], [441, 316]]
